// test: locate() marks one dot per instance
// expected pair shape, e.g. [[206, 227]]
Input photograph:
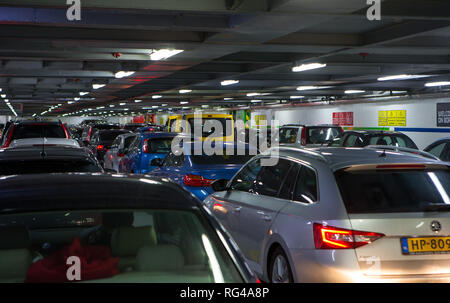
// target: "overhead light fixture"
[[256, 101], [296, 97], [354, 91], [70, 102], [83, 93], [162, 54], [184, 91], [401, 77], [184, 102], [303, 67], [154, 106], [229, 82], [226, 99], [310, 87], [137, 101], [111, 105], [122, 104], [97, 86], [76, 99], [3, 96], [163, 104], [123, 74], [156, 96], [441, 83], [253, 94]]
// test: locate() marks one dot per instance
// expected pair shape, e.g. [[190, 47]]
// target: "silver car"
[[340, 215], [118, 150]]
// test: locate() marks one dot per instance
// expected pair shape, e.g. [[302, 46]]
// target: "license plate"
[[425, 245]]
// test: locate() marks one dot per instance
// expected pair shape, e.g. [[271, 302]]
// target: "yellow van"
[[174, 123], [228, 134]]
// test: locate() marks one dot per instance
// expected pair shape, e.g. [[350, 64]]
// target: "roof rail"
[[303, 150], [404, 149]]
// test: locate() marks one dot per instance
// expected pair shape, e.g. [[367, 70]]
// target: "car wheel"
[[279, 269]]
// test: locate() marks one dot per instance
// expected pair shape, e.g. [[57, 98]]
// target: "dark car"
[[132, 230], [51, 159], [299, 135], [89, 130], [102, 140], [133, 126], [365, 138], [440, 148], [34, 129]]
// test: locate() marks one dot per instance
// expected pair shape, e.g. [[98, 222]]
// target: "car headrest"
[[117, 219], [159, 258], [14, 237], [126, 241]]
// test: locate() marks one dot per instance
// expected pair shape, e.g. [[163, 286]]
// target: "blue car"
[[146, 147], [197, 172]]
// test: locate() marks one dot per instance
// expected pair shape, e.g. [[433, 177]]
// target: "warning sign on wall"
[[343, 118], [392, 118]]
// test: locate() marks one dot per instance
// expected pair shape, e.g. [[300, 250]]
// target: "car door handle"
[[264, 216]]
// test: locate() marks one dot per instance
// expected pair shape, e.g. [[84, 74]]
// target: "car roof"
[[51, 152], [46, 192], [340, 157], [37, 122], [159, 134], [376, 132]]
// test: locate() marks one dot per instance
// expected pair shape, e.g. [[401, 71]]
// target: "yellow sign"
[[392, 118], [260, 120]]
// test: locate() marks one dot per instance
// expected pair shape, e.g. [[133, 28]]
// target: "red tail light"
[[100, 147], [197, 181], [303, 136], [145, 148], [120, 155], [66, 132], [8, 139], [329, 237]]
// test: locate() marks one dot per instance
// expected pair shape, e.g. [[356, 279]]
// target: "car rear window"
[[24, 131], [386, 191], [110, 135], [162, 145], [124, 245], [47, 166], [288, 135], [321, 135]]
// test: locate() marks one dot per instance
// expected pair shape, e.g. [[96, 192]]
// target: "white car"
[[340, 215], [44, 142]]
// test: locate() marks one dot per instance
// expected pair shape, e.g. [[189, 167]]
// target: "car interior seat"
[[15, 256]]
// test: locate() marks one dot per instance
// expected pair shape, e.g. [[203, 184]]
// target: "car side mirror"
[[156, 162], [220, 185], [109, 171]]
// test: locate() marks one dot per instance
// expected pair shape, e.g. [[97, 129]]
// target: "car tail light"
[[120, 155], [197, 181], [400, 166], [100, 147], [145, 146], [329, 237], [66, 132], [8, 139], [303, 136]]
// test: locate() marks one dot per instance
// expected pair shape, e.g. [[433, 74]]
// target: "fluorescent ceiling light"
[[184, 102], [227, 99], [184, 91], [3, 96], [76, 99], [185, 107], [123, 74], [122, 104], [310, 87], [163, 104], [155, 106], [83, 93], [156, 96], [303, 67], [253, 94], [255, 101], [296, 97], [229, 82], [137, 101], [441, 83], [97, 86], [401, 77], [111, 105], [354, 91], [162, 54]]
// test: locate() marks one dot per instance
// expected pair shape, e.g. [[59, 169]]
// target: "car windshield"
[[394, 140], [320, 135], [393, 190], [47, 166], [160, 145], [124, 246], [211, 122], [23, 131]]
